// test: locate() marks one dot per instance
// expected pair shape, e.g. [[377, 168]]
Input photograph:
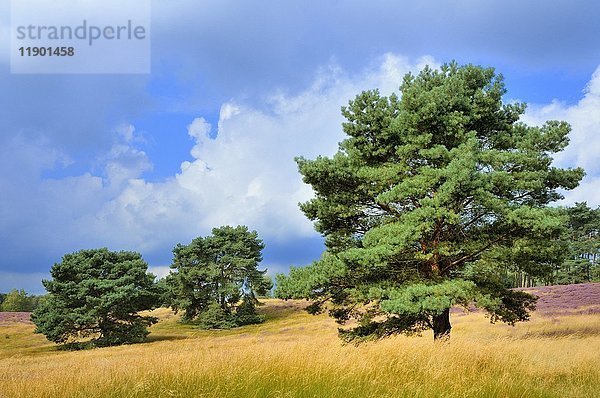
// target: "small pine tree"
[[246, 312], [95, 296], [212, 274], [216, 317]]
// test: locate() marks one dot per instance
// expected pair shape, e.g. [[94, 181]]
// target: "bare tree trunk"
[[441, 326]]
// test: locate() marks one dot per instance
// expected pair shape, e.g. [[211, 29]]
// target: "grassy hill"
[[294, 354]]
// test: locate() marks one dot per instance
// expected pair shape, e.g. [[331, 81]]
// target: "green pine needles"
[[433, 195]]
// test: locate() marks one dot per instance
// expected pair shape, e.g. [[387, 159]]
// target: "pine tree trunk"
[[441, 326]]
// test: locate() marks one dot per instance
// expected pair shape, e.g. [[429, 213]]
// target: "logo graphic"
[[83, 36]]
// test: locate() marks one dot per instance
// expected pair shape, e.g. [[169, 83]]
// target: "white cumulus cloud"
[[245, 173], [584, 146]]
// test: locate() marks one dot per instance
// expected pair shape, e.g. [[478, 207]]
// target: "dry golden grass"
[[298, 355]]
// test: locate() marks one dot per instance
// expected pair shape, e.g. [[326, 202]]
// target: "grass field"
[[294, 354]]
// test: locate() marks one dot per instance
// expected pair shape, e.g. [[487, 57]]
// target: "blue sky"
[[237, 89]]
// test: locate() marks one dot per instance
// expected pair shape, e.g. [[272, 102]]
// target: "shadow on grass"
[[282, 309], [578, 332], [162, 337]]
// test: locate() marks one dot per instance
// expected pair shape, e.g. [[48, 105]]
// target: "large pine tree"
[[429, 199]]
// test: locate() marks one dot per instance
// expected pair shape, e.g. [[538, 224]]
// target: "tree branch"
[[471, 256]]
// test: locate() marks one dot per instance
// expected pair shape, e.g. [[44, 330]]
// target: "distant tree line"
[[19, 301], [577, 258]]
